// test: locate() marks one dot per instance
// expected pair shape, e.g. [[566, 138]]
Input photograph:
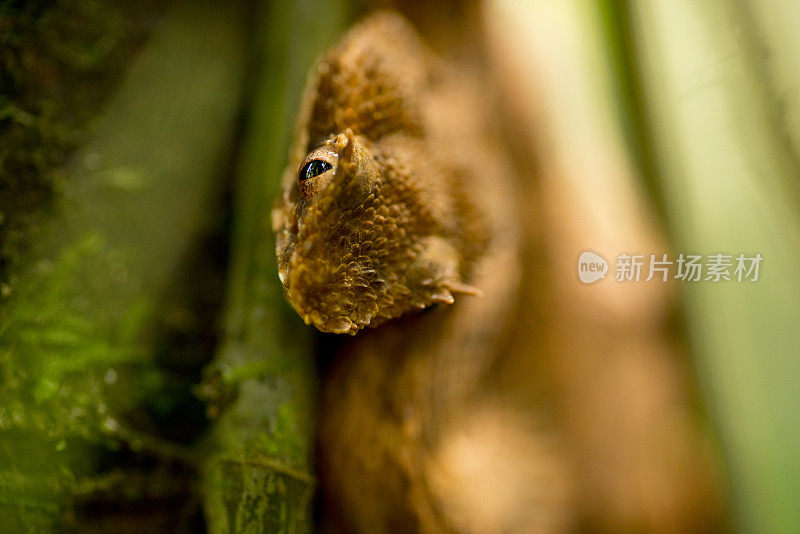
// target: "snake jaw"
[[361, 292], [374, 222], [366, 248]]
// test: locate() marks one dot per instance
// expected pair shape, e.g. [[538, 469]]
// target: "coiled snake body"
[[399, 196]]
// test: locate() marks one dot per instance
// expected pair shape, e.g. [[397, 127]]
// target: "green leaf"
[[724, 123]]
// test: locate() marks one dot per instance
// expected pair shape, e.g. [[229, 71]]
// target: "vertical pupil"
[[314, 168]]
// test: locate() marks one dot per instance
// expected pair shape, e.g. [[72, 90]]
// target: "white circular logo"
[[591, 267]]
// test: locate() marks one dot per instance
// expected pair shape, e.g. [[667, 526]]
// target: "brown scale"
[[383, 190], [398, 195]]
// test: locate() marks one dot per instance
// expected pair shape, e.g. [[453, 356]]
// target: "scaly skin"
[[417, 209], [410, 205], [398, 196]]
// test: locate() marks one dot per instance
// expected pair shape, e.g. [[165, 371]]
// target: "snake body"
[[399, 198]]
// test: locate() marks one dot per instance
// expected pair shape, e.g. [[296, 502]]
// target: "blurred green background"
[[151, 373]]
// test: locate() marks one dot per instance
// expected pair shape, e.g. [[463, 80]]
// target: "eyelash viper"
[[399, 197]]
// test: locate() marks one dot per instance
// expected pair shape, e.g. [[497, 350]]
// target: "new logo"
[[591, 267]]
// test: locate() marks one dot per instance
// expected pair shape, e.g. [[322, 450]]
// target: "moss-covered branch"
[[78, 327], [259, 478]]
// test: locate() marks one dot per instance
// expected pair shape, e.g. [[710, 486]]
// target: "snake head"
[[360, 246], [370, 225]]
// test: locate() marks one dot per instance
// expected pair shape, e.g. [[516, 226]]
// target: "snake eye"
[[314, 168], [319, 164]]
